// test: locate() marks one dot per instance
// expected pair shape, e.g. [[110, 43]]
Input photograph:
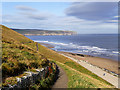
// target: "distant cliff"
[[43, 32]]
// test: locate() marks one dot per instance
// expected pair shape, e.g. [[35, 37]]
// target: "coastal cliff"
[[43, 32]]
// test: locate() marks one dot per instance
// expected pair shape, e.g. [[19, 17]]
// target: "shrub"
[[29, 55], [48, 81], [33, 65], [22, 66], [4, 59], [6, 69], [21, 47], [13, 68], [34, 87], [43, 84], [10, 80]]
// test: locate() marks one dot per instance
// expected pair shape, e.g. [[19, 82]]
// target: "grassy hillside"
[[66, 62], [19, 53]]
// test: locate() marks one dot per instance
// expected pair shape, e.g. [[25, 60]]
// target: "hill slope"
[[19, 49], [19, 54]]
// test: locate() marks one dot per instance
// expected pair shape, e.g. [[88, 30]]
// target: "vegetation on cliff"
[[19, 54]]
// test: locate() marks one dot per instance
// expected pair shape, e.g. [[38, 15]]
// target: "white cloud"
[[45, 20], [61, 23], [25, 8], [113, 21], [38, 16], [92, 10]]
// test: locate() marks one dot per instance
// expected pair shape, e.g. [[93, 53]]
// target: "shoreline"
[[109, 76], [47, 45], [103, 63]]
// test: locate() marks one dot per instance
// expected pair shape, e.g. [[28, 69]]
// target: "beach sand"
[[109, 64]]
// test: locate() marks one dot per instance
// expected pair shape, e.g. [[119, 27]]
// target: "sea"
[[99, 45]]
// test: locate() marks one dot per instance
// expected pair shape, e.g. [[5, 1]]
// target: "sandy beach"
[[104, 68], [109, 64]]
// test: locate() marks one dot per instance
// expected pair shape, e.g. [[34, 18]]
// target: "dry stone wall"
[[29, 79]]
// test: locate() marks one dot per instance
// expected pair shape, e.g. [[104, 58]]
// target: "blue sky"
[[11, 7], [84, 18]]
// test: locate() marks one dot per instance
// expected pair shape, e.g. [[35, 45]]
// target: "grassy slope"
[[82, 80], [76, 73], [17, 56], [68, 62]]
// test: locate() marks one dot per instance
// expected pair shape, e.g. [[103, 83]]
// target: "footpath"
[[61, 81], [99, 72]]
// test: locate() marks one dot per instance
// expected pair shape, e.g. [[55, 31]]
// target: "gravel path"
[[106, 76], [61, 81]]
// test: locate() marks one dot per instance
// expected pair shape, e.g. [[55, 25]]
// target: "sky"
[[82, 17]]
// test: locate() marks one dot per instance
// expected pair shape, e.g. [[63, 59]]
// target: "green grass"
[[82, 80], [20, 58], [19, 54], [46, 82], [17, 48], [84, 70]]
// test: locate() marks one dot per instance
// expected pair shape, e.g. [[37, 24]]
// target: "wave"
[[115, 52], [80, 49], [52, 42]]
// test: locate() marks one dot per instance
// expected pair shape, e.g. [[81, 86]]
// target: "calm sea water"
[[100, 45]]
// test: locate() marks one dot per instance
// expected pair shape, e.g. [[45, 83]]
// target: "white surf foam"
[[56, 43], [85, 49]]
